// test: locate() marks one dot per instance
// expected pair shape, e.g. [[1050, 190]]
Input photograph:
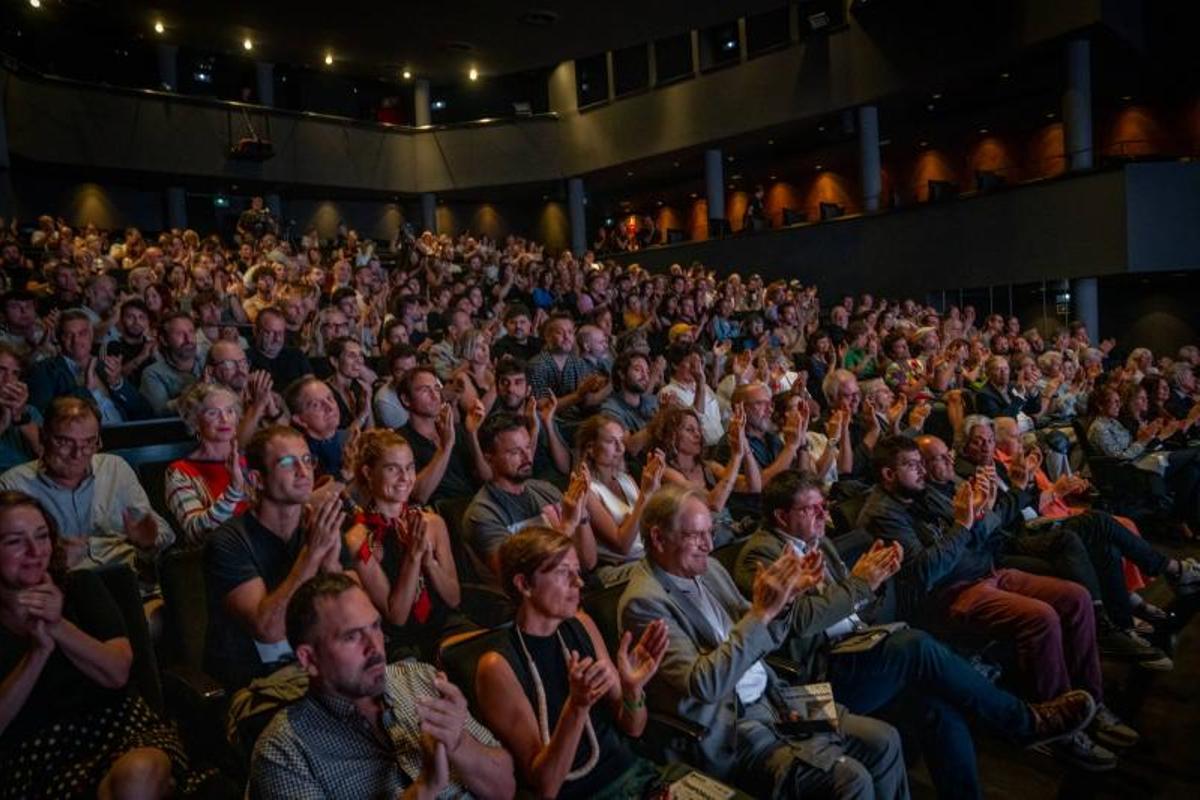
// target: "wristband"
[[636, 705]]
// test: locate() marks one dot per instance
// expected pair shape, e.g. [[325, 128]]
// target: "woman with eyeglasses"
[[70, 724], [552, 693], [208, 487], [401, 553]]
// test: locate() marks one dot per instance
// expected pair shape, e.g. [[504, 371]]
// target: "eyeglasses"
[[65, 444], [813, 508], [289, 463]]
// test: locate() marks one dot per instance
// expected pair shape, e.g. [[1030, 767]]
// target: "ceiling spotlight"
[[407, 75], [1049, 115], [694, 195], [1005, 75], [820, 167], [731, 186], [923, 143], [629, 174], [247, 44], [983, 130], [1126, 97], [770, 141], [329, 59], [729, 158], [772, 177], [821, 128], [438, 105], [159, 28], [937, 95], [929, 107], [35, 3], [473, 74]]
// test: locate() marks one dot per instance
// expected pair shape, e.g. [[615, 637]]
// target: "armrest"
[[677, 725], [193, 682], [787, 668]]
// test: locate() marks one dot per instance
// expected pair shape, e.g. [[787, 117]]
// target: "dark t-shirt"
[[458, 480], [128, 352], [286, 367], [62, 691], [508, 346], [239, 551]]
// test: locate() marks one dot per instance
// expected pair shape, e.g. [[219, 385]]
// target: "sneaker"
[[1188, 578], [1108, 728], [1062, 717], [1080, 751], [1116, 643]]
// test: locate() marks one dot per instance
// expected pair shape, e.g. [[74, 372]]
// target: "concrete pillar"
[[714, 184], [575, 205], [870, 167], [176, 207], [652, 64], [610, 76], [168, 67], [561, 86], [743, 45], [1077, 105], [264, 72], [421, 103], [429, 211], [1085, 300]]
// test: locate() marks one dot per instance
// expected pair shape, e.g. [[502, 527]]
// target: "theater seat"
[[484, 605], [122, 585]]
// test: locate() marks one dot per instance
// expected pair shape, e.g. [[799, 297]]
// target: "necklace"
[[543, 714]]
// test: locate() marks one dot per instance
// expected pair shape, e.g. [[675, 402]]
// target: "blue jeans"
[[937, 688]]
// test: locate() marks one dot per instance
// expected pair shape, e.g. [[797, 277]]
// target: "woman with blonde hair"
[[399, 552], [208, 487], [615, 500]]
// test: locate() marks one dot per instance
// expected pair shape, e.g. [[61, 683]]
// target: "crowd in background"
[[399, 446]]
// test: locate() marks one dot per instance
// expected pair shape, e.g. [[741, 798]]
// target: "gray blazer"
[[698, 676], [811, 614]]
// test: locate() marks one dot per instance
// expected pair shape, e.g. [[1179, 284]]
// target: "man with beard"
[[631, 402], [227, 365], [518, 342], [513, 499], [557, 369], [366, 728], [949, 577], [133, 345], [314, 411], [177, 366], [551, 456], [270, 352]]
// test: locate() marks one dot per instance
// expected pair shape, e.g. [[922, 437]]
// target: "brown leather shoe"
[[1061, 717]]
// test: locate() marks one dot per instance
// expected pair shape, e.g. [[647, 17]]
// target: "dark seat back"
[[451, 510], [727, 554], [601, 606], [185, 609], [122, 584], [460, 660]]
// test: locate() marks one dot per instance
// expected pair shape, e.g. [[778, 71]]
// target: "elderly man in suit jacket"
[[830, 632], [714, 675]]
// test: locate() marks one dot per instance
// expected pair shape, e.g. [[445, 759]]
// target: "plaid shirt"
[[320, 747], [544, 374]]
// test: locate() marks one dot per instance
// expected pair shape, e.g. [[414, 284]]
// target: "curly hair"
[[664, 428]]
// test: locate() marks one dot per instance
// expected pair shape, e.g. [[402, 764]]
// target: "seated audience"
[[70, 723], [78, 373], [208, 487], [20, 423], [367, 728], [314, 412], [512, 500], [447, 452], [98, 505], [907, 663], [714, 674], [351, 388], [400, 553], [269, 351], [553, 694], [177, 366], [254, 563], [949, 577]]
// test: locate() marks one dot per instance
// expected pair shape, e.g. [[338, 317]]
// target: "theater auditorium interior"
[[676, 399]]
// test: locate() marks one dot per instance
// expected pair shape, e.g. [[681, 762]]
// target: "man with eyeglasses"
[[908, 663], [270, 351], [102, 512], [714, 673], [950, 579], [228, 365], [842, 393], [255, 562]]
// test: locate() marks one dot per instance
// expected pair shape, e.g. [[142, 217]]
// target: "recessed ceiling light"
[[660, 202], [820, 167], [1049, 115], [729, 158], [247, 43], [694, 195], [923, 143], [677, 163], [1005, 75], [772, 178], [770, 141], [407, 75], [821, 128], [937, 95], [35, 3], [329, 59], [1127, 97], [629, 174], [159, 28], [473, 74], [731, 186], [929, 107], [983, 130]]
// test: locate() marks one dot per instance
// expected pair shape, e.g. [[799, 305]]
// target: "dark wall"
[[82, 202], [1161, 311]]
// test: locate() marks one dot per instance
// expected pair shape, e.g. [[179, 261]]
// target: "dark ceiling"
[[439, 40]]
